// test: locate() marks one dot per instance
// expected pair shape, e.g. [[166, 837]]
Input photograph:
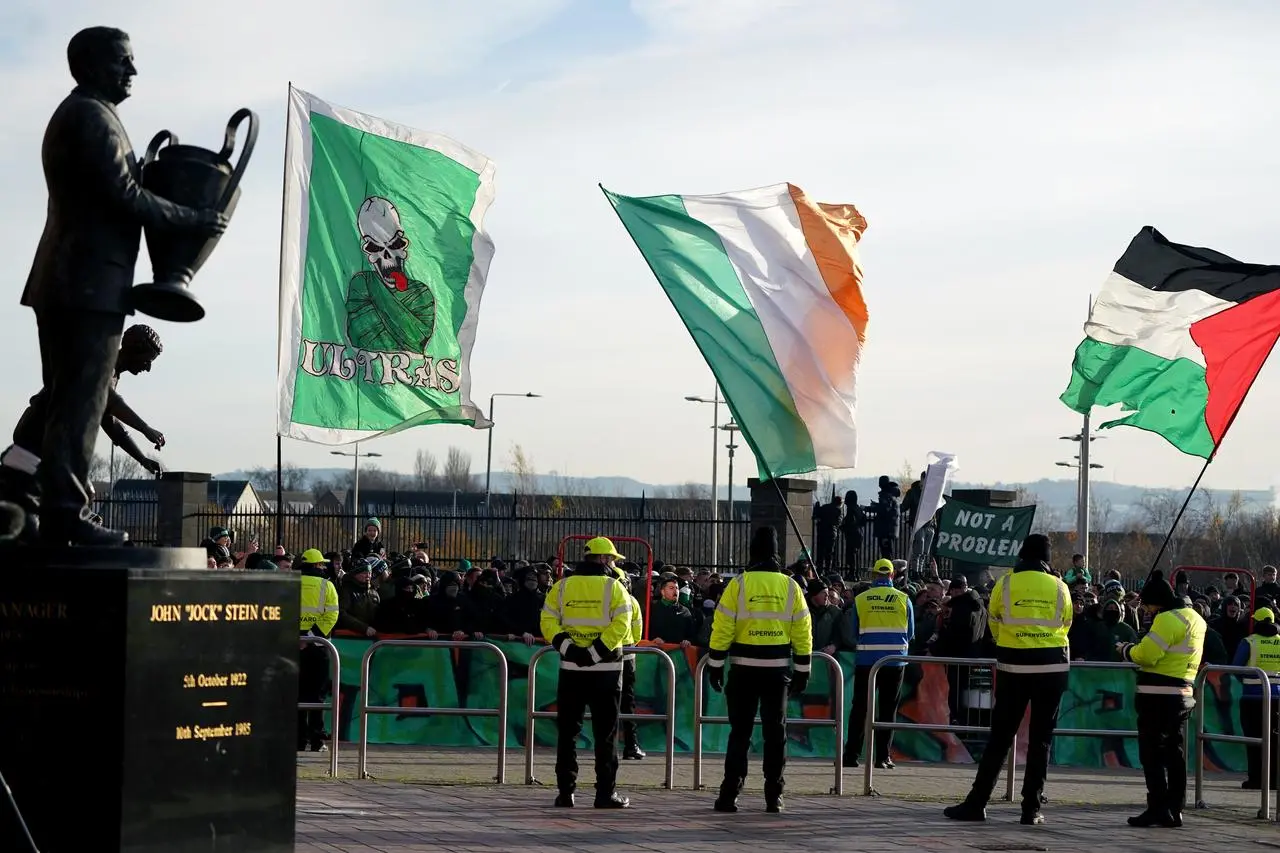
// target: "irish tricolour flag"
[[768, 284], [1177, 336]]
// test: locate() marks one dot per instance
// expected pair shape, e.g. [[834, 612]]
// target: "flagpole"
[[284, 199], [1156, 563], [1212, 454]]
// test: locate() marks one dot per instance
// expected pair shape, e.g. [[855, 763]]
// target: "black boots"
[[613, 801], [729, 791], [773, 796], [564, 800], [633, 752], [966, 811], [1157, 814]]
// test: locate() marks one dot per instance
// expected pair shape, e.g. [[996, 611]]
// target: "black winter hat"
[[1157, 592], [1035, 548], [764, 546]]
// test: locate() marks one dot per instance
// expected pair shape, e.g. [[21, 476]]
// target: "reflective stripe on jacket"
[[1264, 653], [882, 622], [590, 611], [762, 620], [636, 629], [319, 606], [1169, 655], [1030, 615]]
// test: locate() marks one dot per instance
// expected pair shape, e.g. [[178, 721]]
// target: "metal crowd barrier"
[[1264, 812], [365, 709], [532, 713], [836, 721], [872, 724], [335, 677]]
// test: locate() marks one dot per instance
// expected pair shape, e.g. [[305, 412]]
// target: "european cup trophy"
[[194, 177]]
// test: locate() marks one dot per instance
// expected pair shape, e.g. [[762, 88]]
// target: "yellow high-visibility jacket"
[[1169, 655], [319, 606], [1030, 615], [762, 620], [590, 611]]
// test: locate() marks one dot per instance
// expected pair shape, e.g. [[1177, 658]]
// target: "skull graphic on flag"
[[387, 311]]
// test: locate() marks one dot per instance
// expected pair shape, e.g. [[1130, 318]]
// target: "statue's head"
[[101, 60]]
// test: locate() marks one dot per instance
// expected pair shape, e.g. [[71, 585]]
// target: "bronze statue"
[[79, 286]]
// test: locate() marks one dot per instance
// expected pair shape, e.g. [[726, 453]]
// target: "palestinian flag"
[[1177, 336]]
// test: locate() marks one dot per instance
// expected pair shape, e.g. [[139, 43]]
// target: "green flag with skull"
[[383, 262]]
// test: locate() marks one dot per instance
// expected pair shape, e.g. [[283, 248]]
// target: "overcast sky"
[[1004, 154]]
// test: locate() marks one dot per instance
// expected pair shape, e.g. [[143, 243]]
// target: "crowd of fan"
[[382, 593]]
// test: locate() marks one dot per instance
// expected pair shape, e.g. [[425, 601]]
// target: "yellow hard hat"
[[313, 555], [1264, 614], [883, 567], [602, 547]]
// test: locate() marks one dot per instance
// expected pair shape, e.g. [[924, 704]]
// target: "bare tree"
[[457, 470], [523, 473], [128, 468], [293, 477], [99, 469], [425, 468]]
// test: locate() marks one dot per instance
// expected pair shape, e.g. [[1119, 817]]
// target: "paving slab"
[[444, 800]]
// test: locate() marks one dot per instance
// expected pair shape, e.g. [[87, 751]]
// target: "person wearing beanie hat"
[[587, 618], [1029, 618], [1260, 649], [825, 613], [370, 544], [880, 623], [761, 624], [1168, 658]]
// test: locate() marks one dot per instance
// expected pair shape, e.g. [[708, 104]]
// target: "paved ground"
[[444, 800]]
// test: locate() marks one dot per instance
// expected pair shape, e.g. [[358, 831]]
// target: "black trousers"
[[313, 678], [78, 352], [627, 705], [888, 688], [825, 545], [852, 545], [1251, 723], [1162, 722], [1014, 692], [886, 548], [578, 692], [751, 689]]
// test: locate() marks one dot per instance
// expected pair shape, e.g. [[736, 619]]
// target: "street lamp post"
[[732, 429], [355, 484], [715, 402], [1083, 466], [488, 465]]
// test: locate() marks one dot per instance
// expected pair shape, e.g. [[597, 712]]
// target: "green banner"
[[987, 535], [418, 678]]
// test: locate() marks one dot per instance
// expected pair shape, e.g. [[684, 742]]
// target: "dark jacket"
[[447, 614], [357, 606], [524, 611], [401, 613], [673, 623], [888, 513], [97, 209], [364, 548], [855, 519], [961, 633]]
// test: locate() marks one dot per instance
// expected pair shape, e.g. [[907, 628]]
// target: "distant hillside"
[[1121, 504]]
